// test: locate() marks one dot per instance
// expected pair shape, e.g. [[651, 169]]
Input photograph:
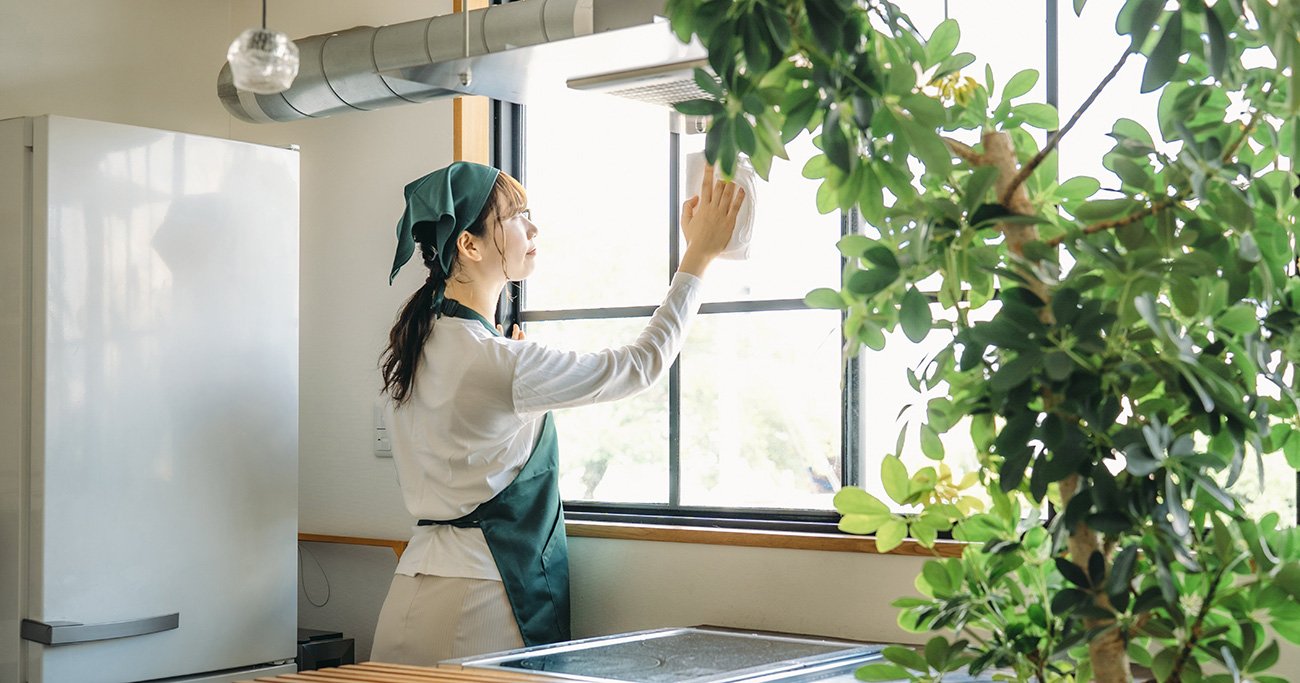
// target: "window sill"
[[755, 539]]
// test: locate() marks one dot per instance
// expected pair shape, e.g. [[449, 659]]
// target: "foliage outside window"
[[1142, 354]]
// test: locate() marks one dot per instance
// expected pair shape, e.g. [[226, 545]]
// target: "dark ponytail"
[[401, 358]]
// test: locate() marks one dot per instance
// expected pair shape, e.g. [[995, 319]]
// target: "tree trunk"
[[1106, 652]]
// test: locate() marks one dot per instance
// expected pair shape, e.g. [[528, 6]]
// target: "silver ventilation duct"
[[516, 52]]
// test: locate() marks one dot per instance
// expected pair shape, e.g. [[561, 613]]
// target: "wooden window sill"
[[755, 539], [684, 534]]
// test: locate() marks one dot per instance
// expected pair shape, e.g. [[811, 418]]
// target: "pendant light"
[[261, 61]]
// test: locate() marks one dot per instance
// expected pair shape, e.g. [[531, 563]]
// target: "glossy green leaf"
[[1078, 187], [977, 187], [824, 297], [1121, 571], [926, 145], [890, 535], [880, 672], [708, 83], [699, 107], [835, 143], [1288, 579], [925, 110], [1266, 658], [1058, 365], [1019, 84], [881, 256], [1038, 115], [1164, 59], [854, 500], [1072, 573], [937, 652], [854, 246], [942, 42], [931, 445], [893, 475], [1139, 22], [1217, 50], [905, 656], [1014, 373], [924, 533], [957, 62], [863, 523], [868, 282], [1239, 319], [872, 336], [914, 315]]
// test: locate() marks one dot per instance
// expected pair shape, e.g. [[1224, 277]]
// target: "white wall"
[[154, 63]]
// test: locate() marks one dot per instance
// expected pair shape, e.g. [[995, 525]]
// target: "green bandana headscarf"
[[439, 207]]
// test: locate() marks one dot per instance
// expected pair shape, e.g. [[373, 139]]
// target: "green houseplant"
[[1137, 346]]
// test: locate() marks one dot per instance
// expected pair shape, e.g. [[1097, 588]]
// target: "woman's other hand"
[[516, 333], [708, 220]]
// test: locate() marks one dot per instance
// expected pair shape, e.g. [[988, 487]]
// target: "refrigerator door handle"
[[67, 632]]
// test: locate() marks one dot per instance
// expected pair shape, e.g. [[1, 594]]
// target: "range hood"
[[518, 52]]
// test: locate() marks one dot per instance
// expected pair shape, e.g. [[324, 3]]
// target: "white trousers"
[[427, 619]]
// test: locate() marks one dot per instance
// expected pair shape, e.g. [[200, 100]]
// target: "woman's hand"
[[516, 333], [708, 220]]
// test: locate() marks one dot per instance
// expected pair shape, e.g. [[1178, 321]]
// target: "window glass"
[[793, 247], [597, 168], [889, 405], [761, 410], [1275, 493], [610, 452], [1089, 48]]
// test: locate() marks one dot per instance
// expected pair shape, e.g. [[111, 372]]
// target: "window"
[[752, 413], [761, 418]]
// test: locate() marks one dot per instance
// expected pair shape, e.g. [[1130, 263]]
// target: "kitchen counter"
[[672, 655], [377, 672]]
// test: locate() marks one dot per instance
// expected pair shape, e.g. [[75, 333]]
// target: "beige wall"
[[154, 63]]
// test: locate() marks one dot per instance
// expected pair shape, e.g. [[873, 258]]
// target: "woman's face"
[[518, 247]]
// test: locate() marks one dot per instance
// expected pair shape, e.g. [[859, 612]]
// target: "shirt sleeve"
[[546, 379]]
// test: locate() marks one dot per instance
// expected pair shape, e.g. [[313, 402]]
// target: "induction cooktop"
[[685, 655]]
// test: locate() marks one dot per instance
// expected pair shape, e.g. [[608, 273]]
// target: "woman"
[[473, 441]]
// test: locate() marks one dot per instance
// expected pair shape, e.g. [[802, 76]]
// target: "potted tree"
[[1120, 357]]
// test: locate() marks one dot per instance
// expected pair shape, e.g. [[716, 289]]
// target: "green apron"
[[524, 528]]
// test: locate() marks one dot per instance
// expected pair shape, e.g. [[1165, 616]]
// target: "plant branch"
[[964, 151], [1246, 130], [1028, 168], [1194, 629], [1153, 209]]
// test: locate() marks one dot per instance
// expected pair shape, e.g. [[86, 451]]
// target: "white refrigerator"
[[148, 405]]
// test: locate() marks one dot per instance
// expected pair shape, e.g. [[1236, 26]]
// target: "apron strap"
[[461, 523]]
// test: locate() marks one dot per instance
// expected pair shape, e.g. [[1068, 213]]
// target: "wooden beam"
[[470, 116]]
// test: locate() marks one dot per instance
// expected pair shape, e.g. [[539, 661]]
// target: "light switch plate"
[[383, 445]]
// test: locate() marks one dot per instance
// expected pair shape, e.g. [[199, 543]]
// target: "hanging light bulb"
[[261, 61]]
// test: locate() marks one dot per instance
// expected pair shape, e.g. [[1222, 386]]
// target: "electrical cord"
[[302, 577]]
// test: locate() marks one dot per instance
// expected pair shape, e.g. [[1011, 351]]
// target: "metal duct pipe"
[[366, 68]]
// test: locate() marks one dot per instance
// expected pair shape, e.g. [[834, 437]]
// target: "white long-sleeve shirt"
[[476, 411]]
